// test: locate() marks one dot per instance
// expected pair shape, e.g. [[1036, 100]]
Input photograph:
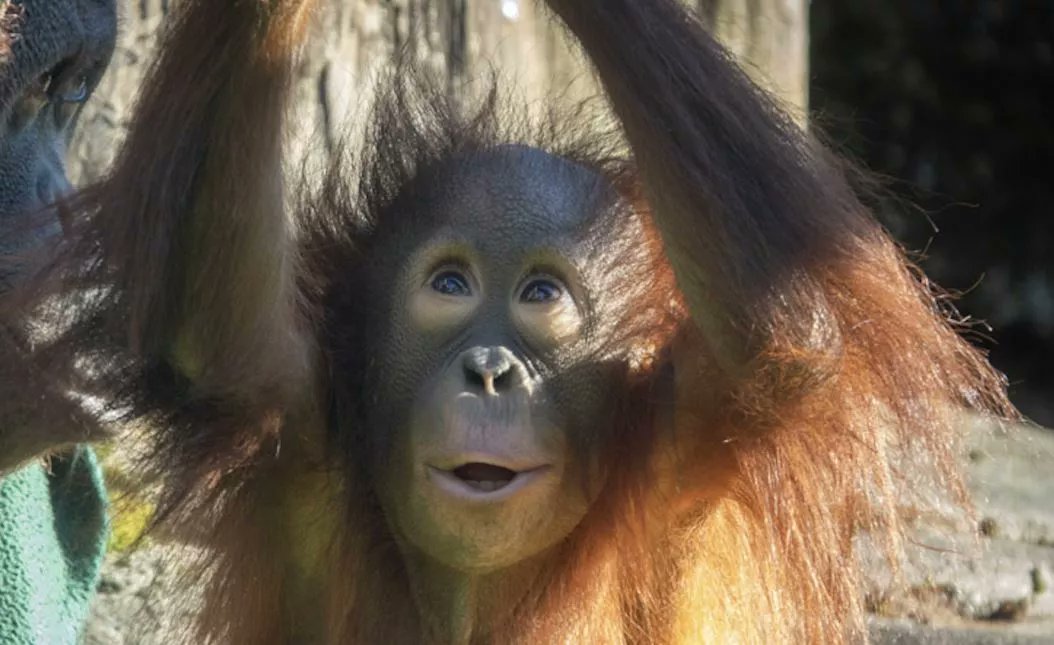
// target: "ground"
[[992, 586]]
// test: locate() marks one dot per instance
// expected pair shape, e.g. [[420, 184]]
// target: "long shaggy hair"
[[739, 526]]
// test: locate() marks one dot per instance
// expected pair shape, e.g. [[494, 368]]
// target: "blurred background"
[[950, 105], [953, 104]]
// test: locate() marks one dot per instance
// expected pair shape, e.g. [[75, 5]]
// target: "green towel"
[[52, 538]]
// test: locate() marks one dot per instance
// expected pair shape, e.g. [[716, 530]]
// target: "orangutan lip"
[[484, 481]]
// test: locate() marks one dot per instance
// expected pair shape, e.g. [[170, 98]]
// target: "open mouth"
[[484, 477], [477, 480]]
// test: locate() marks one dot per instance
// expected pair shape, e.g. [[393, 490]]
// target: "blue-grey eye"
[[77, 91], [451, 283], [541, 291], [61, 87]]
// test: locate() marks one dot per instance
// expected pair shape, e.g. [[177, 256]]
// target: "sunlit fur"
[[733, 494]]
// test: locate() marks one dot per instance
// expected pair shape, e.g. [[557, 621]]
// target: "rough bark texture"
[[463, 39], [771, 37]]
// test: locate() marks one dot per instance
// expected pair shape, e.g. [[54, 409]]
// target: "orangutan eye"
[[74, 91], [63, 84], [451, 283], [541, 291]]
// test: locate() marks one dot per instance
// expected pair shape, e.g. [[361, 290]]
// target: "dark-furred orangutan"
[[486, 384], [52, 506], [52, 54]]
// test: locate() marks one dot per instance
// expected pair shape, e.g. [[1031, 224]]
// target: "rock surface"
[[141, 600], [986, 584]]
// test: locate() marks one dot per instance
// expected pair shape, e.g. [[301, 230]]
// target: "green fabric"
[[52, 538]]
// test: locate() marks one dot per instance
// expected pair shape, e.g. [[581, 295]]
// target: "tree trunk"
[[465, 40], [771, 40]]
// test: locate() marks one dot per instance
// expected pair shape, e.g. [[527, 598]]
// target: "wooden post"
[[463, 39]]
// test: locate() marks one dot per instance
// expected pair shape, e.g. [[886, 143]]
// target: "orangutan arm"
[[199, 238], [750, 209], [185, 245]]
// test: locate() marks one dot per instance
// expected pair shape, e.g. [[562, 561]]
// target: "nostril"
[[503, 380], [493, 370], [473, 378], [491, 381]]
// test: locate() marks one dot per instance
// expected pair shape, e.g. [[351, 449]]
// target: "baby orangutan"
[[489, 386]]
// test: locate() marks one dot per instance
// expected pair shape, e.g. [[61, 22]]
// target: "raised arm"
[[181, 257], [749, 208], [795, 287], [196, 235], [842, 380]]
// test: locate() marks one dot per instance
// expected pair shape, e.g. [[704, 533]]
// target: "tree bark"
[[771, 40], [465, 40]]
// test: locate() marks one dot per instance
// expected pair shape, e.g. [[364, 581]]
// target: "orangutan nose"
[[492, 370]]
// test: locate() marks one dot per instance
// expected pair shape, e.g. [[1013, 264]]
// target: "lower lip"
[[454, 486]]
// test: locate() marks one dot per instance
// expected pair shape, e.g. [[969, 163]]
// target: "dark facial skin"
[[494, 378], [58, 49]]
